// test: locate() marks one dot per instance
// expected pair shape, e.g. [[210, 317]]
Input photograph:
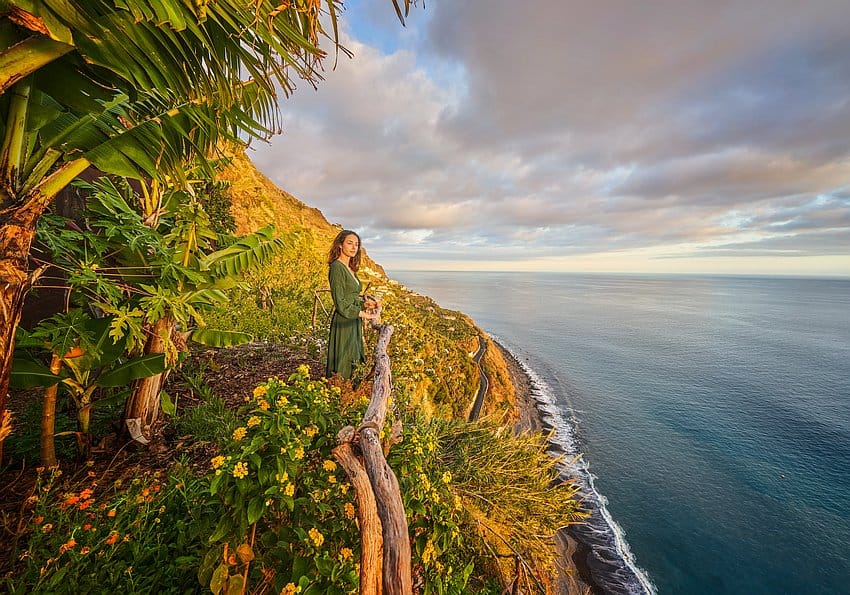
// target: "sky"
[[668, 136]]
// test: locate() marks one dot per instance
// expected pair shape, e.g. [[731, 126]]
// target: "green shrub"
[[287, 512], [139, 535]]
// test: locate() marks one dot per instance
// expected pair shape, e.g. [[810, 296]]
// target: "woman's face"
[[350, 245]]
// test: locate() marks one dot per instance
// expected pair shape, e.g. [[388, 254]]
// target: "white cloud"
[[500, 134]]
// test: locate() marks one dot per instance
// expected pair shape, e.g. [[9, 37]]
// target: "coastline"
[[573, 575]]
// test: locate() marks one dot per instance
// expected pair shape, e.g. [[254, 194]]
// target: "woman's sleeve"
[[347, 303]]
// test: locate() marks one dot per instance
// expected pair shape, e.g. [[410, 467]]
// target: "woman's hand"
[[370, 303]]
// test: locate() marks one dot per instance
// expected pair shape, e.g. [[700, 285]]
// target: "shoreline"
[[573, 574]]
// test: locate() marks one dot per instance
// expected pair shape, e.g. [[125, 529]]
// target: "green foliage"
[[25, 448], [445, 551], [211, 420], [286, 319], [138, 535], [218, 205], [92, 363], [281, 494], [142, 270], [510, 482]]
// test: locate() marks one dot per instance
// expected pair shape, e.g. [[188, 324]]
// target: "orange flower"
[[67, 546], [86, 504], [85, 494], [113, 537], [87, 526], [38, 520], [111, 513], [72, 499], [85, 550], [156, 488]]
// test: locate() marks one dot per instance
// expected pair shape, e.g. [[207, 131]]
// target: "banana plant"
[[86, 362], [153, 263]]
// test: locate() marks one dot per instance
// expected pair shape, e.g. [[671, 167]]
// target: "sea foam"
[[616, 569]]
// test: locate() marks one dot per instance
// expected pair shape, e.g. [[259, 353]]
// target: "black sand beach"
[[574, 575]]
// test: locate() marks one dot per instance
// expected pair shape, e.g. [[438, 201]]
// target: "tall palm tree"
[[134, 88]]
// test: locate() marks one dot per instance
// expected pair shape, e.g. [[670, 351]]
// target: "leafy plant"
[[87, 360], [288, 517], [132, 535]]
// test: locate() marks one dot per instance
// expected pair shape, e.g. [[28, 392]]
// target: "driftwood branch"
[[367, 515], [381, 494]]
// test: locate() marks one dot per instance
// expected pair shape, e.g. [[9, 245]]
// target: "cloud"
[[487, 129]]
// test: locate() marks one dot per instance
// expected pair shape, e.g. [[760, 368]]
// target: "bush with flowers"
[[127, 535], [287, 520]]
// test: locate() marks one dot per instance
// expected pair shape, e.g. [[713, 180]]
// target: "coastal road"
[[484, 383]]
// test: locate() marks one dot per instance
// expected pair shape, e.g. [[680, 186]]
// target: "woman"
[[345, 343]]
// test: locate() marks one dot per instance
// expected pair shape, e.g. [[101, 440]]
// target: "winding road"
[[484, 383]]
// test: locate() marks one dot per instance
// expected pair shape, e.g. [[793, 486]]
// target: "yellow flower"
[[253, 421], [331, 479], [260, 391], [282, 401], [447, 477], [316, 536], [241, 470], [299, 453], [310, 431], [217, 462], [429, 552], [458, 503], [303, 369], [290, 589], [329, 465], [290, 489], [263, 404], [343, 488], [349, 510], [282, 478], [239, 433], [345, 553]]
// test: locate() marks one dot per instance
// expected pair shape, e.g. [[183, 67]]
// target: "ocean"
[[713, 415]]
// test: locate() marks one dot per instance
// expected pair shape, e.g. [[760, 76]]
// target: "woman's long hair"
[[336, 249]]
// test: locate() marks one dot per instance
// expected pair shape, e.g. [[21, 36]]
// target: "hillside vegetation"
[[430, 350], [240, 492]]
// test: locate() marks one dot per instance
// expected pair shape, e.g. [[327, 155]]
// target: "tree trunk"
[[371, 556], [17, 229], [143, 403], [48, 417]]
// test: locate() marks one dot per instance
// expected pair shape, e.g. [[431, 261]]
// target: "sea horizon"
[[835, 277], [713, 412]]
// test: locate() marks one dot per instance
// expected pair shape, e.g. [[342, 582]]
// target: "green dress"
[[345, 343]]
